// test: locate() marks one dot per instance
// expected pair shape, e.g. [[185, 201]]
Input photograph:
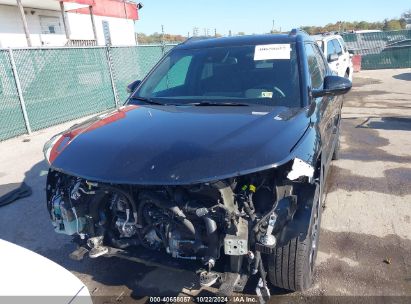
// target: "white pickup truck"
[[336, 53]]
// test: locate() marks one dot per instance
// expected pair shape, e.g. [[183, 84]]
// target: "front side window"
[[337, 47], [344, 46], [313, 67], [321, 62], [233, 74], [175, 76], [330, 48]]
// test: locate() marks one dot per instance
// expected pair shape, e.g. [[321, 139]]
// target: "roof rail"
[[296, 31], [196, 38]]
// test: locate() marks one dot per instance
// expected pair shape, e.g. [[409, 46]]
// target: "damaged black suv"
[[216, 163]]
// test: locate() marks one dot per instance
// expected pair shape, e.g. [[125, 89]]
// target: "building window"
[[50, 25]]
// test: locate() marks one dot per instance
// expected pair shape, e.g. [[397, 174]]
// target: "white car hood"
[[26, 273]]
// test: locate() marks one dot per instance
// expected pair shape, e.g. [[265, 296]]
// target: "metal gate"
[[381, 50]]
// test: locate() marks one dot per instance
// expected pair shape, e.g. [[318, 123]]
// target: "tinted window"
[[343, 44], [224, 74], [337, 47], [176, 75], [330, 48], [313, 66], [320, 59]]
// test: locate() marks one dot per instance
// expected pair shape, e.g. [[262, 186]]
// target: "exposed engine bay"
[[240, 218]]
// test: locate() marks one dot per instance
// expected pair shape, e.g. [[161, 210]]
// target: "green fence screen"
[[61, 84], [381, 50], [11, 115], [132, 63]]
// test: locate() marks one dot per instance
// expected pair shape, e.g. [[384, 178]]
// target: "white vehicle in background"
[[336, 53], [25, 274]]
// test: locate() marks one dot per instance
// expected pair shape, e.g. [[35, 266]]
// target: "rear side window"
[[313, 66]]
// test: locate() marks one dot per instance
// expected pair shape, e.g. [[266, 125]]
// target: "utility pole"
[[93, 24], [195, 31], [23, 19]]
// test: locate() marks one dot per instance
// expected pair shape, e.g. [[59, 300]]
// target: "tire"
[[291, 266]]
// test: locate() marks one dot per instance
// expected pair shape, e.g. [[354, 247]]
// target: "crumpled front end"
[[238, 218]]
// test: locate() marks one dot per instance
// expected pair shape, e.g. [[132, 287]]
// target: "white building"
[[69, 22]]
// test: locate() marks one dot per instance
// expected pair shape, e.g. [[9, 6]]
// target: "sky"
[[180, 16]]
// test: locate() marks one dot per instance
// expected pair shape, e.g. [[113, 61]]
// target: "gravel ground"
[[365, 242]]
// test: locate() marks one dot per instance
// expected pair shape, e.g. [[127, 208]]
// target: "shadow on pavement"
[[387, 123], [403, 76], [363, 142], [364, 264]]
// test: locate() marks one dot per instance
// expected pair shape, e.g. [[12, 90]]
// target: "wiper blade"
[[212, 103], [146, 100]]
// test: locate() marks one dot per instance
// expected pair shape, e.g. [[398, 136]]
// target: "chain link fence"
[[41, 87], [11, 115], [132, 63], [381, 50]]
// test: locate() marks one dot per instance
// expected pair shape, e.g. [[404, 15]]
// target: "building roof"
[[110, 8], [50, 4]]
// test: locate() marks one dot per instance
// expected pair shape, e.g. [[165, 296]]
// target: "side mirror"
[[333, 85], [132, 86], [332, 57]]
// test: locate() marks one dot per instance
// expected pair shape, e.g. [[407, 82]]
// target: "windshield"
[[237, 75]]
